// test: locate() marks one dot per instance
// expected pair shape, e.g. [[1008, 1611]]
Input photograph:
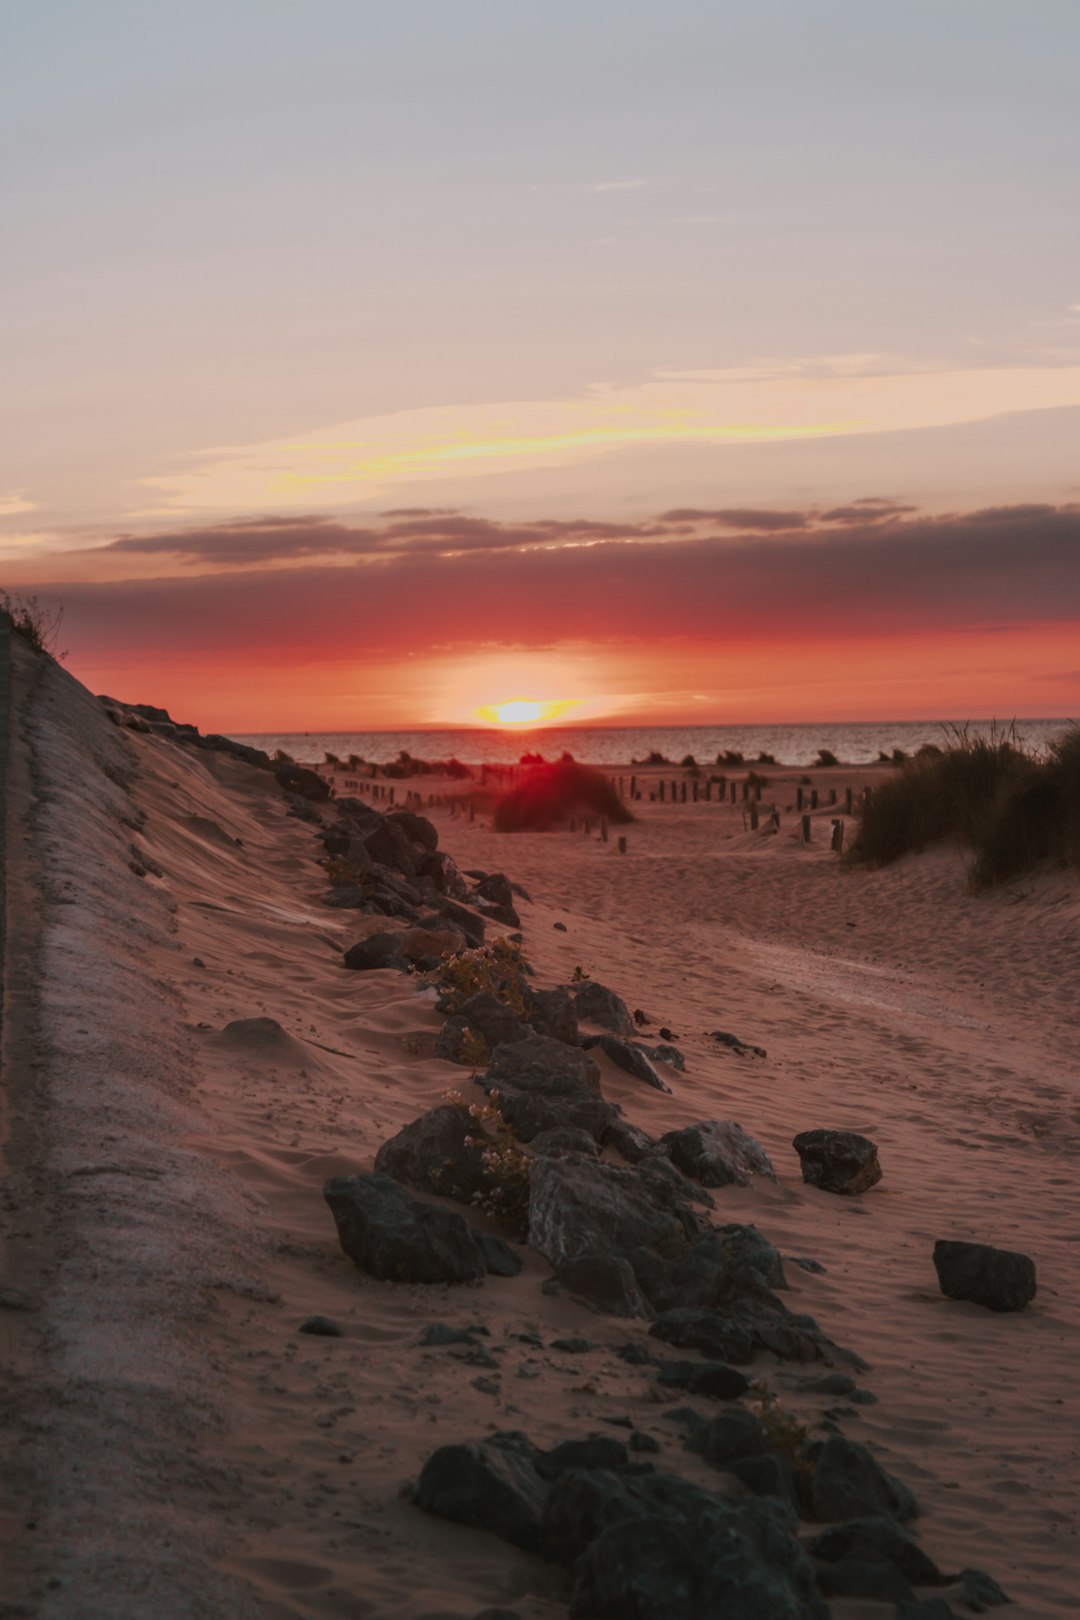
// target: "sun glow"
[[524, 711]]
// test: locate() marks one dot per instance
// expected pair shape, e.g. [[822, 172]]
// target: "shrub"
[[1011, 809], [342, 872], [38, 625], [504, 1194], [551, 793], [498, 968], [766, 759], [787, 1435], [730, 756], [825, 756]]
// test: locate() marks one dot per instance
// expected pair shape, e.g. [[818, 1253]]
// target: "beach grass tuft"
[[549, 794]]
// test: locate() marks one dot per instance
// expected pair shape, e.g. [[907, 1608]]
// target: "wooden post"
[[813, 798], [847, 801], [838, 836], [753, 817], [683, 794], [633, 787], [806, 829], [695, 793], [661, 790], [588, 826], [721, 786], [774, 820], [832, 795], [746, 790], [708, 791], [622, 846], [757, 791], [734, 791], [603, 829], [798, 798]]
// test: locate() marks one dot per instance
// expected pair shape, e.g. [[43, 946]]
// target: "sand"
[[180, 1449]]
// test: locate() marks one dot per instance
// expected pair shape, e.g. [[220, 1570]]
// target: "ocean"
[[855, 743]]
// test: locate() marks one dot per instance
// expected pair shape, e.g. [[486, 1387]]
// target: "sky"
[[370, 366]]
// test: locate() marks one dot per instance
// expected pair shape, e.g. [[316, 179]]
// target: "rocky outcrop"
[[395, 1237], [543, 1084], [838, 1161], [628, 1057], [596, 1004], [437, 1153], [718, 1153]]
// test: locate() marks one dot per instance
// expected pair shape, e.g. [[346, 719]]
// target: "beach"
[[177, 1447]]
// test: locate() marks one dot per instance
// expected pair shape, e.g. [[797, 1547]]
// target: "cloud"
[[737, 518], [12, 505], [1018, 565], [868, 510]]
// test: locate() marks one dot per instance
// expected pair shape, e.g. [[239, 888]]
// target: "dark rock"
[[980, 1591], [713, 1379], [572, 1347], [303, 809], [581, 1207], [665, 1054], [440, 1152], [538, 1063], [629, 1140], [357, 811], [417, 829], [767, 1475], [470, 922], [605, 1282], [321, 1327], [377, 951], [493, 1486], [838, 1161], [833, 1383], [486, 1016], [543, 1084], [815, 1267], [441, 871], [595, 1004], [848, 1482], [501, 1260], [628, 1057], [388, 844], [256, 1034], [1000, 1279], [440, 1333], [565, 1139], [730, 1436], [928, 1609], [740, 1329], [866, 1578], [878, 1539], [643, 1444], [551, 1013], [723, 1037], [298, 780], [560, 927], [718, 1153], [598, 1451], [495, 888], [351, 897], [393, 1236], [716, 1269], [749, 1250]]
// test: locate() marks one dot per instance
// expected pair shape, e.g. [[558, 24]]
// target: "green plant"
[[504, 1190], [473, 1049], [38, 625], [498, 968], [786, 1434]]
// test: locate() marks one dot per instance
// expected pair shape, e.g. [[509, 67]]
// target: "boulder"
[[305, 784], [495, 888], [440, 1152], [664, 1054], [628, 1057], [417, 829], [377, 951], [606, 1283], [718, 1153], [487, 1017], [387, 844], [395, 1237], [848, 1482], [580, 1207], [464, 917], [551, 1013], [874, 1539], [629, 1141], [430, 942], [565, 1139], [729, 1437], [493, 1486], [743, 1327], [1000, 1279], [441, 872], [543, 1084], [873, 1578], [838, 1161], [595, 1004], [979, 1591], [715, 1380]]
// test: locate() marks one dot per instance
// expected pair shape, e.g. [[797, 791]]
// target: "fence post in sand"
[[837, 843], [472, 809], [734, 791], [603, 829], [708, 790], [753, 817], [774, 820], [806, 829], [847, 801], [746, 790], [798, 798], [661, 791], [757, 791], [721, 785], [695, 793], [813, 798], [683, 794], [633, 787], [622, 846], [588, 826], [832, 795]]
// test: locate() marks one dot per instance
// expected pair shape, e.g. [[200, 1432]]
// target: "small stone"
[[440, 1333], [980, 1591], [486, 1386], [322, 1327], [641, 1442], [840, 1162], [1000, 1279]]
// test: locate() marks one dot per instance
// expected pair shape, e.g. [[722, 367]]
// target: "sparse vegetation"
[[342, 872], [504, 1194], [37, 624], [989, 794], [825, 756], [787, 1435], [766, 759], [730, 756], [550, 794], [498, 968]]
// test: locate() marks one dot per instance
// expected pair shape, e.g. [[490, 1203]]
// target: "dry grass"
[[550, 794]]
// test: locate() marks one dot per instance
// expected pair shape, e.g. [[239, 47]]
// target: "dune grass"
[[549, 794], [1010, 808]]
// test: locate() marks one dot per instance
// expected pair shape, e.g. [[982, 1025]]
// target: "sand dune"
[[180, 1449]]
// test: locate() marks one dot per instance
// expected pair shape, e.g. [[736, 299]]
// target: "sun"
[[524, 711]]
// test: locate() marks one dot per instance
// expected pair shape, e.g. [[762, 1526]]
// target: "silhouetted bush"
[[1011, 809], [825, 756], [551, 793], [38, 625], [729, 756], [766, 759]]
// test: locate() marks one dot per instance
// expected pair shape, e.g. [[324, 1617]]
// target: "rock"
[[430, 942], [628, 1057], [606, 1283], [713, 1379], [767, 1475], [377, 951], [440, 1152], [495, 888], [487, 1017], [718, 1153], [257, 1035], [350, 897], [598, 1451], [876, 1538], [928, 1609], [838, 1161], [866, 1578], [717, 1268], [629, 1140], [730, 1436], [573, 1346], [441, 872], [395, 1237], [464, 917], [723, 1037], [848, 1482], [595, 1004], [1000, 1279], [501, 1260], [742, 1328], [565, 1139], [551, 1013], [543, 1084], [664, 1054], [321, 1327], [440, 1333], [581, 1207], [979, 1591], [417, 829], [303, 783], [388, 844], [494, 1486]]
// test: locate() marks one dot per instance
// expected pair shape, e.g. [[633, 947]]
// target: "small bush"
[[342, 872], [730, 756], [766, 759], [504, 1194], [825, 756], [787, 1435], [38, 625], [551, 793], [498, 968], [473, 1049]]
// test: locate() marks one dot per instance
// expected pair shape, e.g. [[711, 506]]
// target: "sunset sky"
[[693, 361]]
